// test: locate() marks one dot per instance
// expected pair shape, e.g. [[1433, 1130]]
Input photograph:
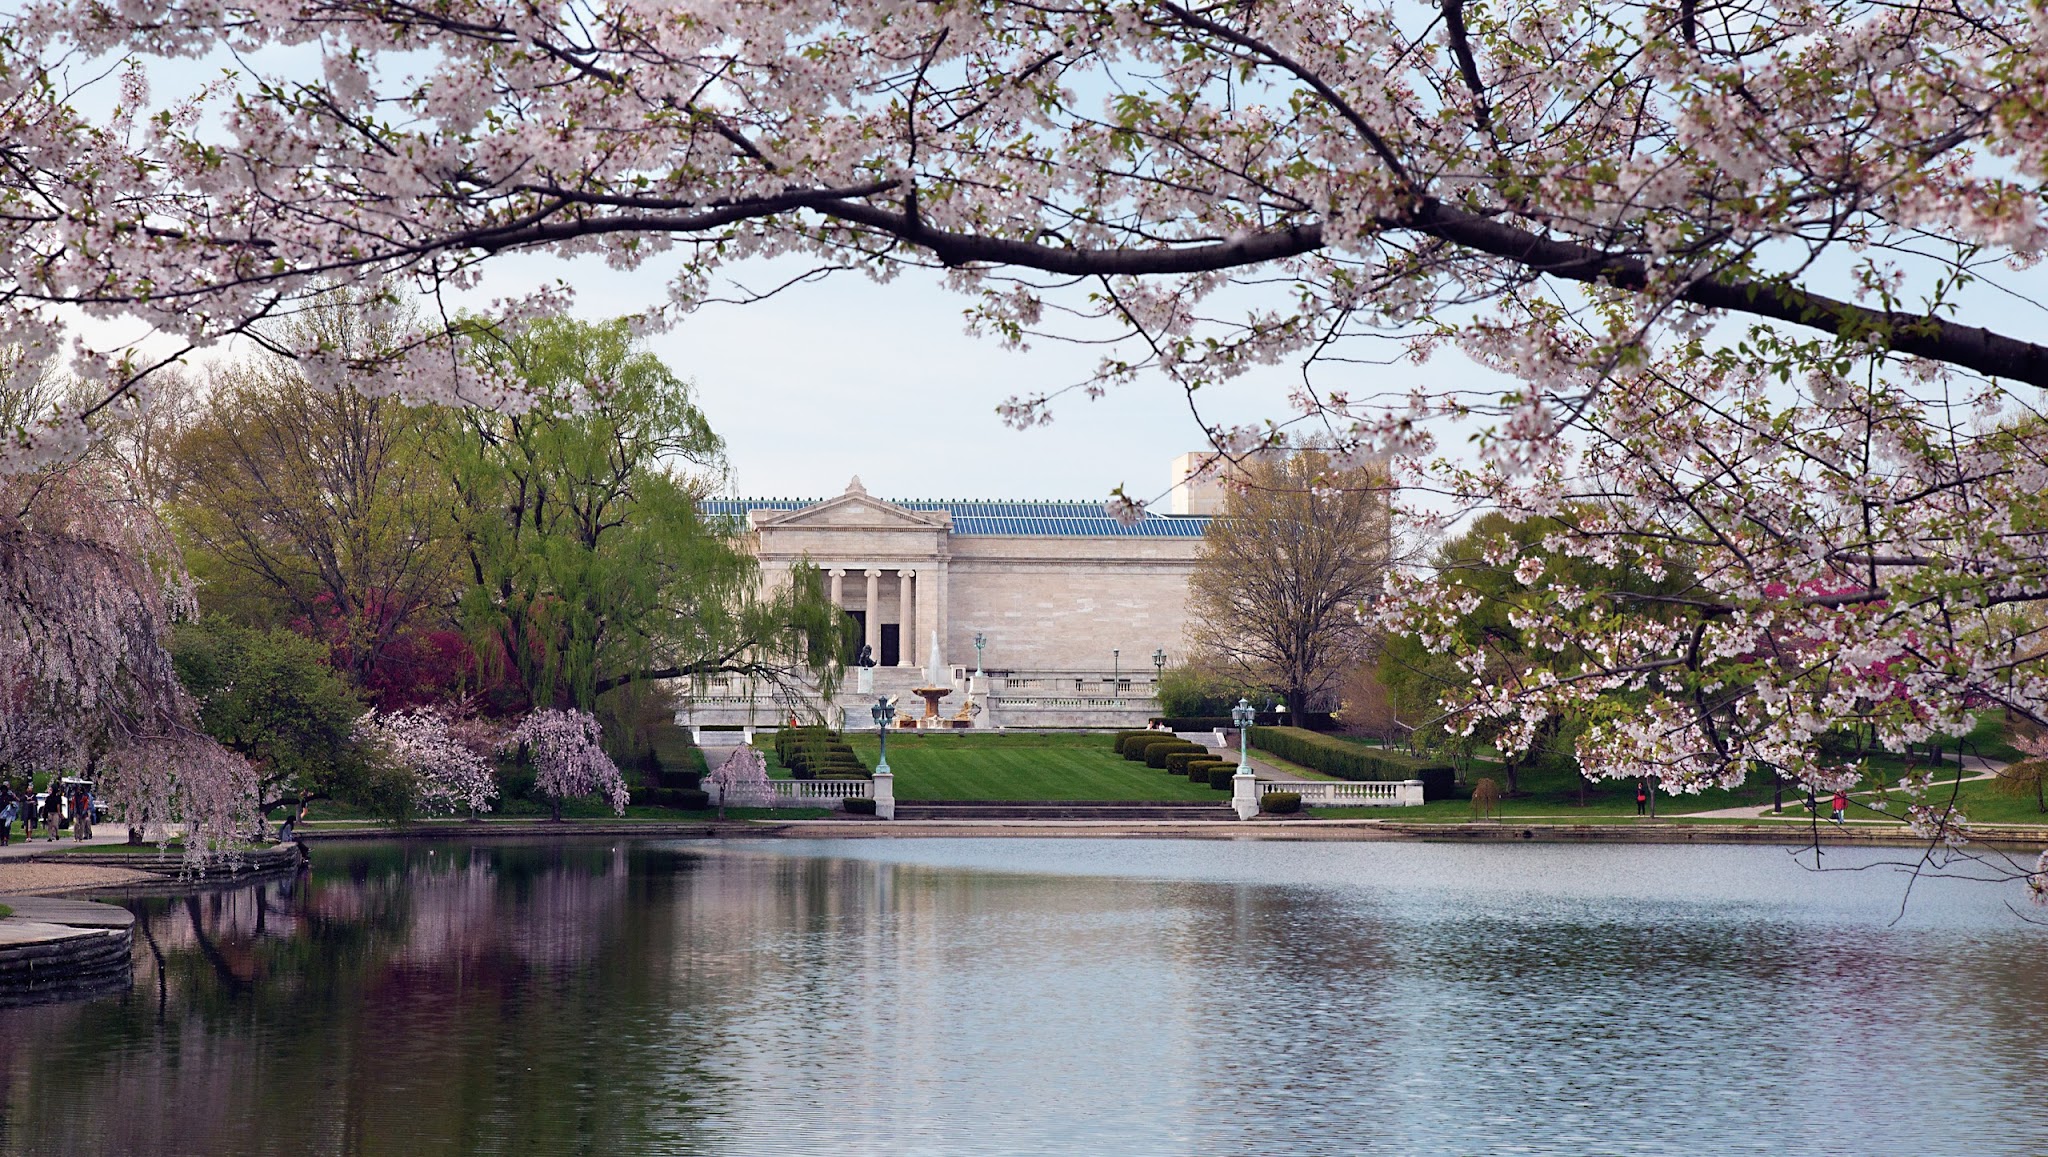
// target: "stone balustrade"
[[807, 792], [1350, 793]]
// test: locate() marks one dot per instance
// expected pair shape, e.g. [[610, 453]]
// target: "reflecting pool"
[[1053, 996]]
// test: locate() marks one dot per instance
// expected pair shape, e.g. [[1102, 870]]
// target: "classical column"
[[838, 589], [874, 620], [907, 641]]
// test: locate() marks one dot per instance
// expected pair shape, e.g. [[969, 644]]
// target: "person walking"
[[1841, 803], [9, 808], [1642, 797], [53, 810], [81, 814]]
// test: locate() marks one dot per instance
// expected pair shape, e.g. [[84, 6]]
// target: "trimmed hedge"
[[1157, 753], [1132, 744], [1199, 769], [1220, 777], [857, 805], [1351, 761], [1177, 763], [686, 799], [1280, 803]]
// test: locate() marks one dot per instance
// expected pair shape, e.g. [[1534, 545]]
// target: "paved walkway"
[[21, 849], [16, 878], [1263, 769], [1980, 767]]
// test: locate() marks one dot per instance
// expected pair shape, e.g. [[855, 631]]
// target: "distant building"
[[1071, 604]]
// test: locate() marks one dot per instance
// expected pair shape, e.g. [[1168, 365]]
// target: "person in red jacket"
[[1841, 804]]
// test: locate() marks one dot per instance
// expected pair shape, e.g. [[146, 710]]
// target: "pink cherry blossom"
[[567, 759]]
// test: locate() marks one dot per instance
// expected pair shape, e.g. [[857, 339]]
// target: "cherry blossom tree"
[[89, 584], [1590, 197], [741, 780], [1489, 175], [450, 774], [567, 760]]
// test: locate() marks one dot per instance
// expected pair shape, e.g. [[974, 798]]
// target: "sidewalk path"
[[1983, 769], [21, 849], [1261, 768]]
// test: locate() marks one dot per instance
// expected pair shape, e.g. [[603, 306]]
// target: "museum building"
[[1071, 608]]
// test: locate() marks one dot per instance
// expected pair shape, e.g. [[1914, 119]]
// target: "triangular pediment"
[[856, 508]]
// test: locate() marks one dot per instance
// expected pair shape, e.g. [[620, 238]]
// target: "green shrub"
[[684, 799], [1199, 769], [1220, 776], [1156, 753], [1123, 737], [1132, 745], [1280, 803], [1352, 761], [857, 805], [1177, 763]]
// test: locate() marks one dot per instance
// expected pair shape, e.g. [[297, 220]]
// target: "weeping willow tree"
[[590, 569]]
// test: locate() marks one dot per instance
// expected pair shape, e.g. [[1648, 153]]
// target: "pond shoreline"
[[1781, 833]]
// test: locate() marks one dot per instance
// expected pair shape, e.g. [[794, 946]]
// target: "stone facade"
[[1071, 604]]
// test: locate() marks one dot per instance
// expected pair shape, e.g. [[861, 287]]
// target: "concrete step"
[[1067, 810]]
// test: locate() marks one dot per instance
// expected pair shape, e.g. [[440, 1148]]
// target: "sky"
[[847, 377]]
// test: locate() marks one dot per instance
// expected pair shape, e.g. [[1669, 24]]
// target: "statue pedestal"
[[864, 680], [1244, 793]]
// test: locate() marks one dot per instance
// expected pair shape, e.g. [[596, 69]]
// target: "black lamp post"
[[1116, 673]]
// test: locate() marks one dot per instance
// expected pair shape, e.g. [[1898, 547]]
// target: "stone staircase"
[[1110, 812]]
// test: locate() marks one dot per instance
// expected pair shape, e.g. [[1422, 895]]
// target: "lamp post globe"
[[1243, 714], [1158, 662], [980, 641], [882, 712]]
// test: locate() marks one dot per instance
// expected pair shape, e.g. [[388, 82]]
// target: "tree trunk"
[[556, 803]]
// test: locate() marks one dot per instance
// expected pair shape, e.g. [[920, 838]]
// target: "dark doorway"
[[860, 629], [892, 644]]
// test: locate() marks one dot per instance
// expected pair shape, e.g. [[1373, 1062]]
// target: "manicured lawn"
[[1024, 767]]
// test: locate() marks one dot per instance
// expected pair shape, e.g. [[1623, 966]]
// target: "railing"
[[807, 792], [1324, 793], [1100, 702]]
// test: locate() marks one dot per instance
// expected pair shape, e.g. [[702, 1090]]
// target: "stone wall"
[[1060, 604]]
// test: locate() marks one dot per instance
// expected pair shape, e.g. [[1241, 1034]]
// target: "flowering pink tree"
[[1574, 193], [89, 584], [567, 760], [1491, 175], [742, 780], [449, 775]]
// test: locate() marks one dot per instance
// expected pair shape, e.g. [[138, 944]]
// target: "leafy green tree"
[[302, 500], [1482, 563], [271, 696], [590, 568]]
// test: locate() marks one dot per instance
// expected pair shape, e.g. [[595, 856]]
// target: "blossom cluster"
[[449, 775], [567, 758], [741, 780]]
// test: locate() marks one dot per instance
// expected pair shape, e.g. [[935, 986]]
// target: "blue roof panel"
[[999, 517]]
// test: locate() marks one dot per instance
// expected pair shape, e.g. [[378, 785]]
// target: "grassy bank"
[[1023, 767]]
